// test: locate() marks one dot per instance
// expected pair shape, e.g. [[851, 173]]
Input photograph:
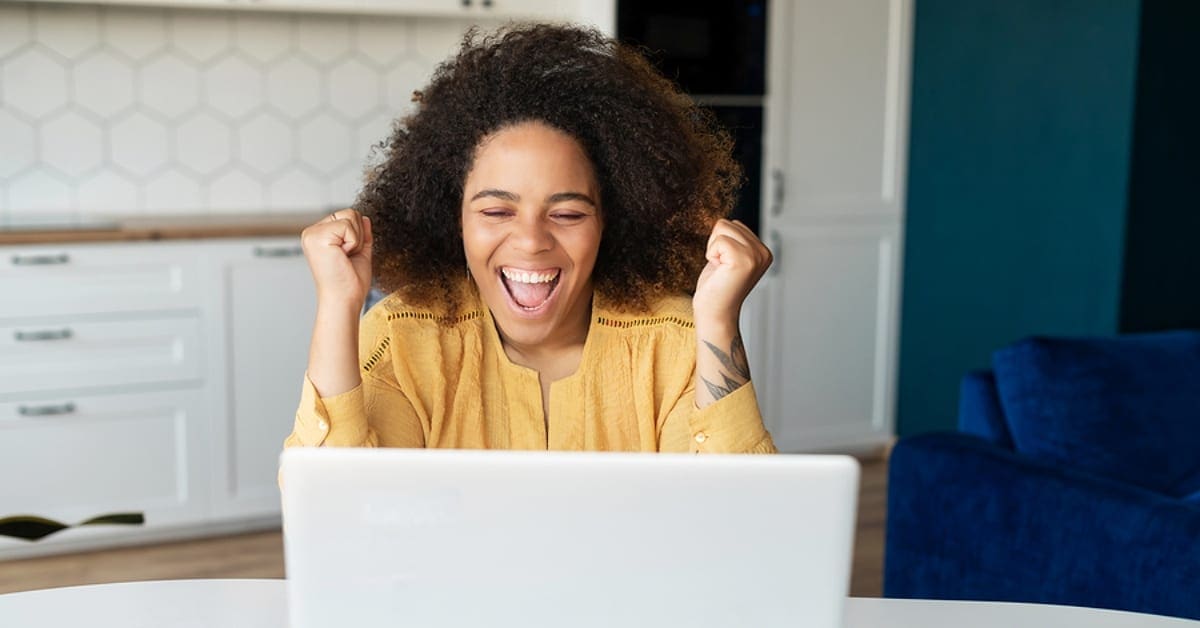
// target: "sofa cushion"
[[979, 410], [1126, 408]]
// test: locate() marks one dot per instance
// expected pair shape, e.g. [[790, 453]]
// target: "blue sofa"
[[1074, 479]]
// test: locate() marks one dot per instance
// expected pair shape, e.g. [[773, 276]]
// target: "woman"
[[539, 222]]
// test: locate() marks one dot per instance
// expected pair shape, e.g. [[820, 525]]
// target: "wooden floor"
[[260, 555], [866, 575]]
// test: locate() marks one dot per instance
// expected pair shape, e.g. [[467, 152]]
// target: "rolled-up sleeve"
[[732, 424], [373, 414], [376, 413], [337, 421]]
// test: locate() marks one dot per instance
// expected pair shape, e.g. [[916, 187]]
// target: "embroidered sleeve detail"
[[645, 322], [377, 354]]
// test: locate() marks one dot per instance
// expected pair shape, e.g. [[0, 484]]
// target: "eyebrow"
[[500, 194], [557, 197], [570, 196]]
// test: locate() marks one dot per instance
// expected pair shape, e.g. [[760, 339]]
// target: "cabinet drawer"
[[75, 353], [47, 280], [111, 453]]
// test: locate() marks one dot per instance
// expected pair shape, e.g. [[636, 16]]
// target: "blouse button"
[[322, 425], [701, 437]]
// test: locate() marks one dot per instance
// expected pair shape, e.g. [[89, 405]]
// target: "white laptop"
[[505, 539]]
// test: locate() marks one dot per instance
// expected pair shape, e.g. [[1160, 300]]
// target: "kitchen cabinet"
[[269, 305], [834, 171], [53, 353], [70, 456], [50, 280], [153, 377]]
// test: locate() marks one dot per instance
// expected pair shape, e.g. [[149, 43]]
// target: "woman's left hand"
[[737, 259]]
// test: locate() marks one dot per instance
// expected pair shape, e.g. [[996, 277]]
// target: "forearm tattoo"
[[736, 368]]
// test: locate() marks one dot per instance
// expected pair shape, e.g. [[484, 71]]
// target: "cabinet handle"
[[776, 252], [48, 410], [466, 3], [46, 334], [777, 192], [278, 251], [40, 260], [487, 4]]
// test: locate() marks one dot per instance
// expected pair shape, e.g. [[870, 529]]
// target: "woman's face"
[[531, 229]]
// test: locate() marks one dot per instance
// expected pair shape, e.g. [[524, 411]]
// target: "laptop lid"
[[432, 538]]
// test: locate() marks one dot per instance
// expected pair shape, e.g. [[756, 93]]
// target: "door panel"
[[832, 327], [838, 100]]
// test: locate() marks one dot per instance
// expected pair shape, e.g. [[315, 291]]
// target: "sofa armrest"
[[970, 520]]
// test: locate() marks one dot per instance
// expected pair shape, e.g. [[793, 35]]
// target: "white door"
[[836, 146]]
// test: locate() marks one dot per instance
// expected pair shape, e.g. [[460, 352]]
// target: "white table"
[[263, 604]]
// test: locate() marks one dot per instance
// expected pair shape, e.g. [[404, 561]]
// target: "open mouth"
[[530, 290]]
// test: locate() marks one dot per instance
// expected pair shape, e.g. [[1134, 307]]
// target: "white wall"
[[144, 110]]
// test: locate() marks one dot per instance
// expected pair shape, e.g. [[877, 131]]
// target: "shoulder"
[[391, 323], [392, 312], [391, 319], [671, 312], [658, 343]]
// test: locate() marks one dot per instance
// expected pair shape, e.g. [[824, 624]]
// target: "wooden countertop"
[[189, 227]]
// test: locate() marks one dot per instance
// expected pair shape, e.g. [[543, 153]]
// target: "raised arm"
[[335, 404], [338, 250], [737, 259], [718, 412]]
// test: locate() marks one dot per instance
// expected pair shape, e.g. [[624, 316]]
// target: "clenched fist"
[[737, 259], [338, 250]]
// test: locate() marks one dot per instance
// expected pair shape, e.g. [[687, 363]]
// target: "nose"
[[532, 235]]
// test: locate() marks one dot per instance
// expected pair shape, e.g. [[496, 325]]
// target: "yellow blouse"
[[432, 381]]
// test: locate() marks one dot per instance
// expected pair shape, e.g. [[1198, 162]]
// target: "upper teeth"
[[528, 277]]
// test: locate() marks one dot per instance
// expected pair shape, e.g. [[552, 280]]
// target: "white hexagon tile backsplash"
[[124, 110]]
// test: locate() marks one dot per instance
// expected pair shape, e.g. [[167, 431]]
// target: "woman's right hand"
[[338, 250]]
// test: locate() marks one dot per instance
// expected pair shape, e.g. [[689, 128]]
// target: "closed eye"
[[497, 213]]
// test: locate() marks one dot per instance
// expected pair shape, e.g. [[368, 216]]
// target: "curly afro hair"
[[664, 166]]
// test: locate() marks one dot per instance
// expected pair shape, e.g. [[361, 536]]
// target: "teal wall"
[[1022, 113]]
